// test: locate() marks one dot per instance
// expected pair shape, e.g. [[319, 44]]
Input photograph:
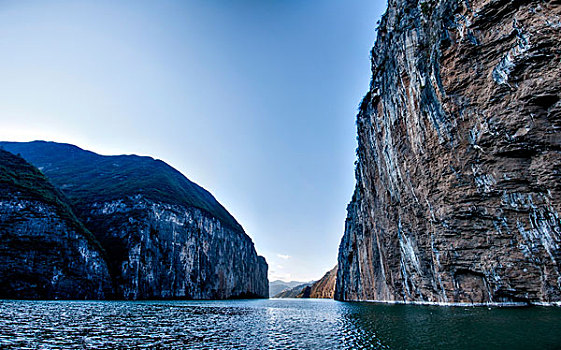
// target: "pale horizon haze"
[[253, 100]]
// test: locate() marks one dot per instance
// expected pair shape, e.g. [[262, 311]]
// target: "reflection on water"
[[272, 324]]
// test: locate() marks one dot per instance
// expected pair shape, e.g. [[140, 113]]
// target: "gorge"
[[457, 195], [424, 214]]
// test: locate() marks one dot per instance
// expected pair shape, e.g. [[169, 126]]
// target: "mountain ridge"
[[50, 156], [165, 236]]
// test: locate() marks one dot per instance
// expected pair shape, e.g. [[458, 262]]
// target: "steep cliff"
[[165, 236], [45, 252], [168, 251], [325, 287], [459, 150]]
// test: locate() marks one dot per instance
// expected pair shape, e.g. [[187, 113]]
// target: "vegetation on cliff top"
[[21, 180], [86, 177]]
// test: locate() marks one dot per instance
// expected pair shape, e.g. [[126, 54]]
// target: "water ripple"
[[270, 324]]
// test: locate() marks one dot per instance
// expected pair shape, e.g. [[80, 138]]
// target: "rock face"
[[325, 287], [45, 252], [458, 182], [305, 292], [175, 252], [165, 236]]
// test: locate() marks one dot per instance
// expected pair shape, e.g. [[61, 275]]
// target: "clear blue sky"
[[254, 100]]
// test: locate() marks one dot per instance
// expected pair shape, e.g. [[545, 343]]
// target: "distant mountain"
[[45, 251], [165, 236], [294, 292], [321, 289], [277, 286]]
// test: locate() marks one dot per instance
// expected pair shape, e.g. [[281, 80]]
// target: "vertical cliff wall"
[[45, 252], [160, 250], [165, 236], [459, 157]]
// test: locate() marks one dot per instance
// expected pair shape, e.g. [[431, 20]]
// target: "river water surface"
[[272, 324]]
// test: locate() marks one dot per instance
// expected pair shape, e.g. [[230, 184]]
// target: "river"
[[272, 324]]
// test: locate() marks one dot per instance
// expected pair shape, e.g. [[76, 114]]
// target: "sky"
[[255, 100]]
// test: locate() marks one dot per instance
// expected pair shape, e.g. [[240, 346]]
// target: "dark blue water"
[[272, 324]]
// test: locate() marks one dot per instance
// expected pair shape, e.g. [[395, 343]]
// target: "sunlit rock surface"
[[325, 287], [45, 252], [458, 172]]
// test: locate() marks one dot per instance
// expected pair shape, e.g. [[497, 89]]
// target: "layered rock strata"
[[458, 189]]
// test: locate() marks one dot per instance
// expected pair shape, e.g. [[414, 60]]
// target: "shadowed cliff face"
[[168, 251], [45, 252], [458, 185], [165, 236]]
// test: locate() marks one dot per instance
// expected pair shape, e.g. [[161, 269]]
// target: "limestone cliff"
[[169, 251], [458, 189], [45, 252], [325, 287], [165, 236]]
